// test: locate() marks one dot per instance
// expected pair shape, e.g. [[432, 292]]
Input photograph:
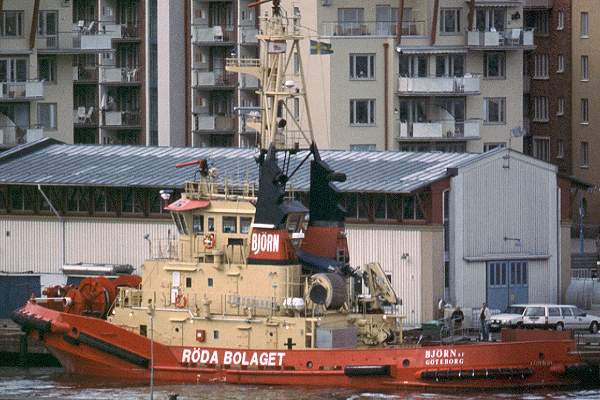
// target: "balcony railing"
[[75, 42], [212, 34], [510, 38], [204, 122], [120, 74], [14, 135], [538, 4], [121, 118], [19, 91], [373, 28], [85, 115], [447, 129], [439, 85], [248, 34], [85, 73], [213, 78]]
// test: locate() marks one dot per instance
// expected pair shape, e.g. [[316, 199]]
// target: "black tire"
[[594, 327], [559, 326], [520, 325]]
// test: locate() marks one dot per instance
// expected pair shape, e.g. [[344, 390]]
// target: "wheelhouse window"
[[198, 224], [245, 224], [180, 223], [229, 225]]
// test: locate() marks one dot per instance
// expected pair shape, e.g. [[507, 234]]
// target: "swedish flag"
[[322, 48]]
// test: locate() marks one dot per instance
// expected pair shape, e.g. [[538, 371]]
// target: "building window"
[[541, 66], [585, 68], [560, 151], [48, 23], [188, 282], [210, 282], [585, 111], [362, 66], [363, 147], [541, 148], [450, 20], [560, 23], [492, 146], [560, 110], [413, 66], [584, 154], [46, 115], [450, 65], [296, 63], [540, 108], [350, 22], [296, 109], [494, 65], [561, 64], [47, 69], [495, 110], [585, 27], [11, 23], [13, 69], [362, 112]]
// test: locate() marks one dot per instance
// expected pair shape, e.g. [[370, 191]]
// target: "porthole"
[[406, 363], [309, 364]]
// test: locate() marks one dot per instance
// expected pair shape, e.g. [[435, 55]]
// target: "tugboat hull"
[[94, 347]]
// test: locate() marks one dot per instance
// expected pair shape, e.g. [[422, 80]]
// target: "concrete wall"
[[171, 73]]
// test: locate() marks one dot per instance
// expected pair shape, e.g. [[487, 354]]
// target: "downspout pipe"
[[61, 219]]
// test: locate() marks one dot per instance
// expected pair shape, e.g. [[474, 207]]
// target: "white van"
[[559, 317]]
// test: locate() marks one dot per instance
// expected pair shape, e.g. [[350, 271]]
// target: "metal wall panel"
[[34, 243], [386, 245], [15, 291]]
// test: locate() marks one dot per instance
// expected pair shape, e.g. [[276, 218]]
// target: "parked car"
[[559, 317], [511, 318]]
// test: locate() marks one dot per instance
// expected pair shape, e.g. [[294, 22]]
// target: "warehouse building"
[[463, 227]]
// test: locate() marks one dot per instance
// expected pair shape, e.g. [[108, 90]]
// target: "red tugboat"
[[258, 289]]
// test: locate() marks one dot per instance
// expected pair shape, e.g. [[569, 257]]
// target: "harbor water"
[[53, 383]]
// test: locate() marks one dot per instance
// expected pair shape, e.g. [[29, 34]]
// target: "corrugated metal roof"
[[48, 162]]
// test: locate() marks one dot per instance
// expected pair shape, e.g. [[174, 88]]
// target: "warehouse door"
[[507, 284], [15, 291]]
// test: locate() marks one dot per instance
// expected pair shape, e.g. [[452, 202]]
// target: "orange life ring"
[[209, 240], [181, 301]]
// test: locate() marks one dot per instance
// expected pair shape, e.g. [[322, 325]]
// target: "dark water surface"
[[53, 383]]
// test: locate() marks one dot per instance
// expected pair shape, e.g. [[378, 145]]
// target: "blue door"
[[507, 284], [15, 291]]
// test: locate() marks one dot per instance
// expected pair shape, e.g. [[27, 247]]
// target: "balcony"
[[204, 122], [74, 42], [21, 91], [121, 119], [373, 28], [214, 79], [467, 85], [85, 116], [14, 135], [85, 74], [120, 75], [248, 34], [204, 34], [248, 81], [440, 130], [538, 4], [509, 39]]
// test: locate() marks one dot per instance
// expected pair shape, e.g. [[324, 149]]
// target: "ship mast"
[[279, 39]]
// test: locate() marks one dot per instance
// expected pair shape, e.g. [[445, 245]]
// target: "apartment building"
[[585, 103], [449, 77], [201, 103], [73, 70], [547, 83]]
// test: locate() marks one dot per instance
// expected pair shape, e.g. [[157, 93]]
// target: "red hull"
[[94, 347]]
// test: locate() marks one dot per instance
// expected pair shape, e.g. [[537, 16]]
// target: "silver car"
[[511, 318], [559, 317]]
